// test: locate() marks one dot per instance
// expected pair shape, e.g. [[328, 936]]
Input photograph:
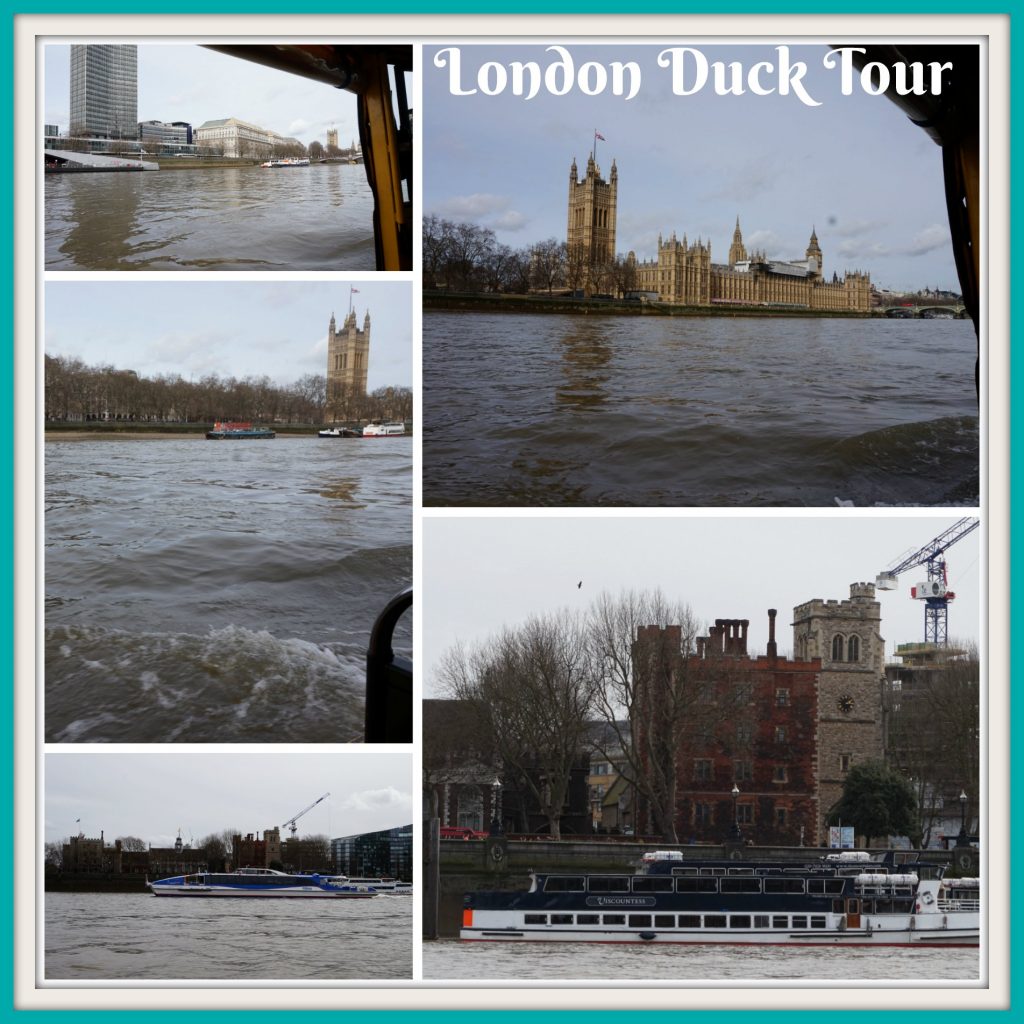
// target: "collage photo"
[[663, 360]]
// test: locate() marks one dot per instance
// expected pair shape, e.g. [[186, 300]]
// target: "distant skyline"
[[854, 168], [186, 82], [482, 575], [154, 795], [228, 328]]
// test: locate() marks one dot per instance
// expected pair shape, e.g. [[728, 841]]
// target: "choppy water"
[[99, 936], [533, 409], [219, 592], [564, 962], [211, 218]]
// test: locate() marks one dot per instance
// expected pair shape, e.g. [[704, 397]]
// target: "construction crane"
[[933, 590], [290, 823]]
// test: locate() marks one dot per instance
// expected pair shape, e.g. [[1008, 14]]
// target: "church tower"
[[737, 251], [815, 261], [845, 635], [348, 358], [590, 236]]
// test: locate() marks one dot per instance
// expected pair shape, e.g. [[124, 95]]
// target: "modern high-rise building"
[[104, 91]]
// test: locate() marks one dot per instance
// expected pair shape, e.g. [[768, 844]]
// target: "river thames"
[[608, 964], [117, 936], [570, 410], [219, 592], [211, 218]]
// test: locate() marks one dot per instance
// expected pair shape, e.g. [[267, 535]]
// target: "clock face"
[[845, 703]]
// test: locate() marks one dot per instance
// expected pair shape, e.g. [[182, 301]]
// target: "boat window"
[[588, 919], [696, 885], [608, 883], [684, 871], [652, 883], [664, 921], [780, 921], [818, 922], [614, 919], [564, 883], [561, 918], [639, 920], [535, 919], [741, 871], [741, 884], [761, 920], [712, 871], [783, 885], [799, 921], [827, 886], [689, 920], [739, 921], [714, 920]]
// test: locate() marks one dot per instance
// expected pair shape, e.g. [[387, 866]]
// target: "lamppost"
[[961, 840], [496, 829], [735, 835]]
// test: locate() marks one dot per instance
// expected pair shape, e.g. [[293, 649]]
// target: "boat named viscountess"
[[846, 899]]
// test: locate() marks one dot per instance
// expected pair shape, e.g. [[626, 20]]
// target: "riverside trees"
[[75, 392], [620, 679], [531, 689]]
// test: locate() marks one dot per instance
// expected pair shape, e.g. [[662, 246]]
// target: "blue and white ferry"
[[262, 883]]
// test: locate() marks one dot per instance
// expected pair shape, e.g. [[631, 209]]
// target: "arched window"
[[853, 649], [471, 808], [837, 648]]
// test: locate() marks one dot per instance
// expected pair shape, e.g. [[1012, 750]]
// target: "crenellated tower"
[[348, 359], [590, 234]]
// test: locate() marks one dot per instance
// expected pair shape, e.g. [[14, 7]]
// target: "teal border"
[[726, 7]]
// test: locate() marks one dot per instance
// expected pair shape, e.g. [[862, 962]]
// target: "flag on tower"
[[598, 135]]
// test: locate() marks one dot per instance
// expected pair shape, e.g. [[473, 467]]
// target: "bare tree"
[[133, 844], [534, 686], [933, 733], [656, 697], [548, 264]]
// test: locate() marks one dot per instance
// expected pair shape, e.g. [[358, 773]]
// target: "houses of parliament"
[[683, 274]]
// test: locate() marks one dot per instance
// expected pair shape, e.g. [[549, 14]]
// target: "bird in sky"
[[579, 585]]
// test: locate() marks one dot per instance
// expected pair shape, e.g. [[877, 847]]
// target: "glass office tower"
[[104, 91]]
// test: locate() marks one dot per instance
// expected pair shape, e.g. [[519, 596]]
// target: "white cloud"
[[933, 237], [376, 799]]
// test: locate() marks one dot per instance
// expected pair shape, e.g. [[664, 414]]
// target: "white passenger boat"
[[384, 430], [843, 900], [262, 883], [338, 432], [386, 886]]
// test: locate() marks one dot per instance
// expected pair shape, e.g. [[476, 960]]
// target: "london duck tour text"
[[690, 71]]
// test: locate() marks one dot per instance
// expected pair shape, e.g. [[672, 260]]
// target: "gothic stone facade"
[[348, 359], [845, 636], [682, 272]]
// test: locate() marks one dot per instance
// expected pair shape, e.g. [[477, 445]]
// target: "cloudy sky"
[[153, 795], [481, 574], [229, 328], [185, 82], [853, 168]]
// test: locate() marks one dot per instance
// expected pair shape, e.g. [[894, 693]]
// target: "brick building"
[[744, 722]]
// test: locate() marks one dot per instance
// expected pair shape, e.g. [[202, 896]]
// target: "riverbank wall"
[[498, 303]]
